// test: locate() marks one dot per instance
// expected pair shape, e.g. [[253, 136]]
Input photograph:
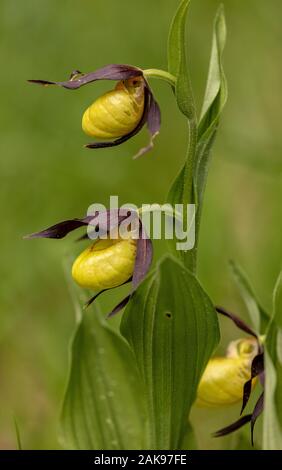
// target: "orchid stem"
[[161, 75]]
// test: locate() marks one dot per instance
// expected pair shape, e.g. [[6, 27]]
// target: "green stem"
[[160, 75], [190, 257]]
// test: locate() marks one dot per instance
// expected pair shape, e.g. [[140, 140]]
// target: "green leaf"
[[181, 191], [272, 418], [258, 315], [216, 88], [176, 38], [104, 402], [189, 186], [172, 327], [177, 63], [214, 101]]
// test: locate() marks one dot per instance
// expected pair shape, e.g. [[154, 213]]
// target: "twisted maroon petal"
[[109, 72], [61, 229], [144, 256], [258, 409], [153, 123], [238, 322], [234, 426], [262, 378], [104, 221], [119, 307], [250, 418], [154, 117], [257, 368], [90, 301]]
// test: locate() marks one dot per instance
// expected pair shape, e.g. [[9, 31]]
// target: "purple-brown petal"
[[233, 427], [262, 378], [238, 322], [119, 307], [61, 229], [153, 123], [90, 301], [115, 143], [103, 221], [257, 368], [154, 117], [144, 256], [258, 409], [109, 72]]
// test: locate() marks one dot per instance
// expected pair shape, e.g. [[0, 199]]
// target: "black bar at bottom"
[[126, 459]]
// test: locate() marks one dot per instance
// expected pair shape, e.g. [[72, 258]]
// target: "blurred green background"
[[47, 176]]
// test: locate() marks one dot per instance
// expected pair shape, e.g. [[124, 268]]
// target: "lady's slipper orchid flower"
[[228, 379], [224, 377], [121, 113], [111, 260]]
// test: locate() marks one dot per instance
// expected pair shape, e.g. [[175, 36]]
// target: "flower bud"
[[224, 377], [117, 112], [105, 264]]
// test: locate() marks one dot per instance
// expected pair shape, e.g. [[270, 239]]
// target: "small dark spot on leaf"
[[168, 315]]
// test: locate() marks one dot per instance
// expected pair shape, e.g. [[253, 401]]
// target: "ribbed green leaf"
[[104, 402], [272, 419], [181, 191], [214, 101], [190, 183], [176, 38], [172, 328], [216, 88], [177, 62], [258, 315]]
